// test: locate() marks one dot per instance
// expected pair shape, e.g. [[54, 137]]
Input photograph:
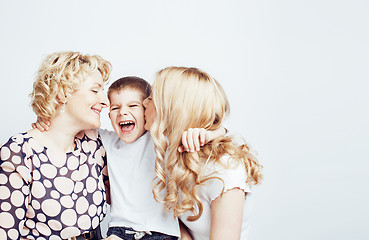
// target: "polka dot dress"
[[42, 197]]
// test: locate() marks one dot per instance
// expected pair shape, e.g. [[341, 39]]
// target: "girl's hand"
[[194, 138], [41, 124]]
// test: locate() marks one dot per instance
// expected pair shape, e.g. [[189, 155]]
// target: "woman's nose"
[[144, 103], [104, 100]]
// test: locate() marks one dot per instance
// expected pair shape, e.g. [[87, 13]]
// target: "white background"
[[295, 71]]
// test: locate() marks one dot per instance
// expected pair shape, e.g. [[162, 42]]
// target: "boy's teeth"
[[127, 126], [126, 123]]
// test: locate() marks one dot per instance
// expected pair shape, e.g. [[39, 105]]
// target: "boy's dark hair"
[[130, 82]]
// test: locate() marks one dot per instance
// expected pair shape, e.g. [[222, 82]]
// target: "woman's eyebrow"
[[98, 84]]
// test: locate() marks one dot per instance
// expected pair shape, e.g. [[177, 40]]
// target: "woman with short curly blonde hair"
[[62, 73], [54, 181], [206, 189]]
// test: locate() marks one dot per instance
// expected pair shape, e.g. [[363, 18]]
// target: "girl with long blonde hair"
[[206, 189]]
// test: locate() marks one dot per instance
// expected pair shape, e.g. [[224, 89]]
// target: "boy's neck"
[[135, 139]]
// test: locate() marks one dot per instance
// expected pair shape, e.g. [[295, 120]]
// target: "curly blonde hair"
[[63, 72], [188, 98]]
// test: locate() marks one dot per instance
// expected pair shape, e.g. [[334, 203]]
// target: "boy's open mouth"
[[127, 126]]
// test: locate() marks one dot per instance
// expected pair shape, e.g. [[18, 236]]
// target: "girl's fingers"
[[202, 136], [184, 141], [191, 147], [196, 139]]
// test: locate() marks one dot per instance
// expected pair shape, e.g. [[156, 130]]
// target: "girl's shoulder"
[[224, 165], [225, 174]]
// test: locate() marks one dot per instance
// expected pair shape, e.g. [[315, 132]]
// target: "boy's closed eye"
[[114, 108]]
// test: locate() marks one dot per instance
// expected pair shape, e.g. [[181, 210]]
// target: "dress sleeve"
[[228, 175], [92, 141], [105, 164], [15, 179]]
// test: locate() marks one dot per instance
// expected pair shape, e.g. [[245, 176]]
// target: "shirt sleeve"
[[107, 136], [228, 175], [15, 179]]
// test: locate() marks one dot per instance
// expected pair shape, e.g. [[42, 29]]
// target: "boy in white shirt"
[[131, 158]]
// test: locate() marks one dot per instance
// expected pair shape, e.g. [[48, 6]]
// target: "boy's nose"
[[124, 111]]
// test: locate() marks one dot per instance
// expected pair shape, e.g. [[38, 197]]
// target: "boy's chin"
[[130, 138]]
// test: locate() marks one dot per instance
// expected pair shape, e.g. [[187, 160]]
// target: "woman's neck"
[[59, 138]]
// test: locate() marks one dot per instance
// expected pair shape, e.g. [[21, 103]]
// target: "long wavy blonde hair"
[[63, 72], [190, 98]]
